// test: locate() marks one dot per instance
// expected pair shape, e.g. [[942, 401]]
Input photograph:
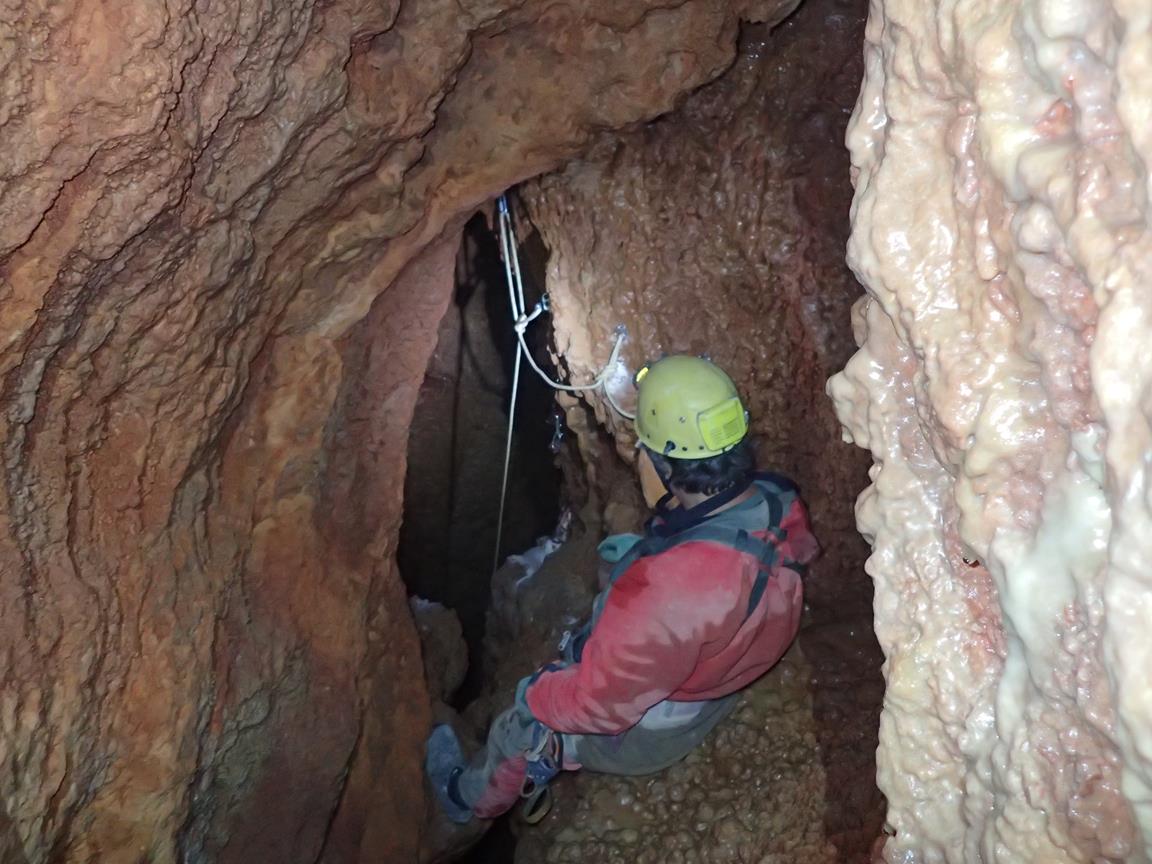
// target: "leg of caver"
[[492, 782], [664, 736]]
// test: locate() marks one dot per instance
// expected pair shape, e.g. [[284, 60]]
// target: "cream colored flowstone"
[[1000, 154]]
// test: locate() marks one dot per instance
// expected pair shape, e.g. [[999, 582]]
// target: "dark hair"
[[708, 476]]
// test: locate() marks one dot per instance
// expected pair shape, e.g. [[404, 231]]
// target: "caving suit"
[[698, 608]]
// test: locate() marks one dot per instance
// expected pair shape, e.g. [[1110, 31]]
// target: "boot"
[[444, 763]]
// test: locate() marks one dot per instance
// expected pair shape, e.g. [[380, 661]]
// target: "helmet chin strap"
[[672, 520]]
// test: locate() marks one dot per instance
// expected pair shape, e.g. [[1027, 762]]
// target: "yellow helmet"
[[688, 408]]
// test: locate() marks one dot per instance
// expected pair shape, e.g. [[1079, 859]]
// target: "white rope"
[[521, 318], [507, 462], [520, 321], [628, 415], [522, 325]]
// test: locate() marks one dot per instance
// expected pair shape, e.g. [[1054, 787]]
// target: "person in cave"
[[702, 604]]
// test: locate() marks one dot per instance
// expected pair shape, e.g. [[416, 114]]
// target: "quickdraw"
[[544, 761]]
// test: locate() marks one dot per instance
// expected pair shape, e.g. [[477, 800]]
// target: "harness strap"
[[737, 538], [776, 490], [758, 588], [667, 522], [765, 556]]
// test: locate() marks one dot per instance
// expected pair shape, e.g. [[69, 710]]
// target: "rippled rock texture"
[[1001, 224], [720, 229], [227, 233]]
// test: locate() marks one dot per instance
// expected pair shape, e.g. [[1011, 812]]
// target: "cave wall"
[[1001, 224], [720, 228], [226, 234]]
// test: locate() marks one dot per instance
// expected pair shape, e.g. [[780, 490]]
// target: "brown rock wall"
[[206, 650]]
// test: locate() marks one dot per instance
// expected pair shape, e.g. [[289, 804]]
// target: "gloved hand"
[[615, 547], [521, 701]]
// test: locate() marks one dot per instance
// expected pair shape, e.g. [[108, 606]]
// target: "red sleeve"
[[799, 545], [646, 644]]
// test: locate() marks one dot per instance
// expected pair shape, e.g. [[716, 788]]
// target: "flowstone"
[[1002, 225]]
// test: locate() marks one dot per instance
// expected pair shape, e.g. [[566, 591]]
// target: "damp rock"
[[443, 648]]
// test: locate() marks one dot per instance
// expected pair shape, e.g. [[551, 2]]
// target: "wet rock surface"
[[226, 240], [1002, 225]]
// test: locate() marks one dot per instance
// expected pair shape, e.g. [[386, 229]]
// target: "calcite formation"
[[226, 238], [1001, 224]]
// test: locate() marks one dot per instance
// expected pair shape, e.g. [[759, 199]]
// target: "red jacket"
[[673, 626]]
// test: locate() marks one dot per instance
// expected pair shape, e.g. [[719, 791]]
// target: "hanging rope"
[[517, 303], [521, 318]]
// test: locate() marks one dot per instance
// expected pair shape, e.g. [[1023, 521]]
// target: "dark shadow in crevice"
[[457, 443]]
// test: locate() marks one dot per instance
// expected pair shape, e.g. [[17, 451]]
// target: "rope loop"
[[521, 319]]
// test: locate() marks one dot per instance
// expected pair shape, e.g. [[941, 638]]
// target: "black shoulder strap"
[[775, 489], [765, 554]]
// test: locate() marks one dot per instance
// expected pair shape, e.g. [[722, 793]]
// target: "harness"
[[735, 528], [724, 528]]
